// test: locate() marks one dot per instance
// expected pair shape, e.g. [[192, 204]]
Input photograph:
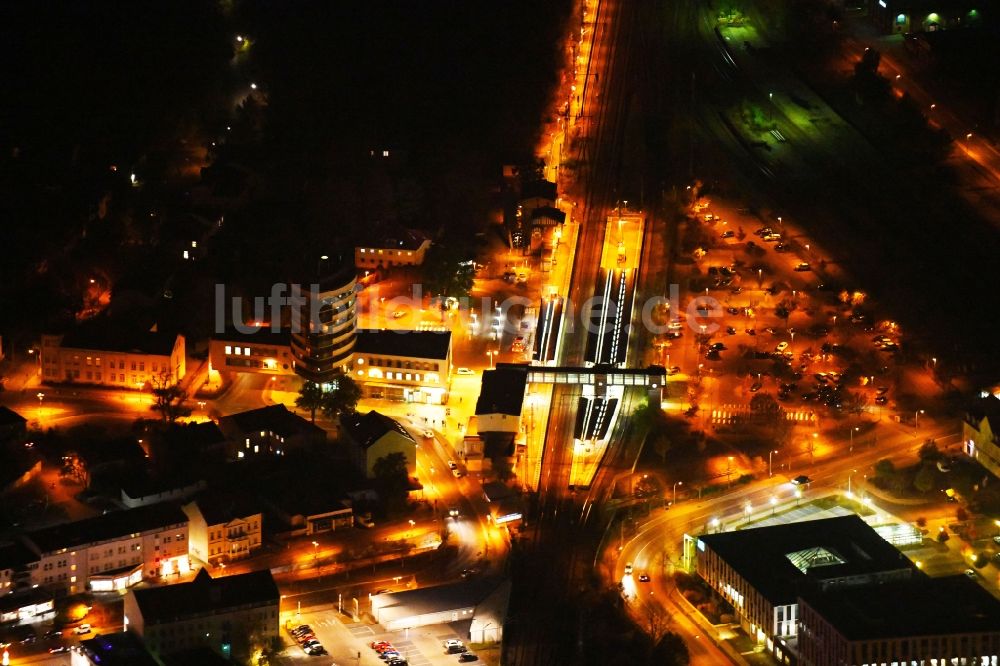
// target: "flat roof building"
[[950, 619], [404, 365], [762, 571]]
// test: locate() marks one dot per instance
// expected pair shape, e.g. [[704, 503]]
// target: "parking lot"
[[349, 643]]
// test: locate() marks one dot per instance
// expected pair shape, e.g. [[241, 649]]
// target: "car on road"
[[398, 314], [782, 346], [801, 480], [29, 639], [717, 346], [457, 473], [728, 233], [377, 645], [756, 386], [518, 345], [643, 578], [453, 512], [469, 573], [59, 649], [83, 629], [803, 267], [971, 573], [465, 371], [782, 247], [881, 400], [730, 330], [674, 370], [53, 633], [628, 568], [453, 645], [467, 656], [522, 278], [429, 434]]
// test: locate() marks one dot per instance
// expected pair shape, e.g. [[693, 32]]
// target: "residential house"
[[408, 366], [308, 510], [117, 649], [230, 615], [501, 399], [981, 432], [223, 527], [271, 430], [373, 436], [112, 551], [15, 558], [140, 490]]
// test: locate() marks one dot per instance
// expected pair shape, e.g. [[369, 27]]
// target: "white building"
[[112, 551]]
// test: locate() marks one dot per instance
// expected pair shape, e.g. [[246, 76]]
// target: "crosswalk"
[[738, 413]]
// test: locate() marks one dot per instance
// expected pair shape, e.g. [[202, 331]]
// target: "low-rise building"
[[270, 430], [306, 511], [13, 426], [141, 491], [980, 437], [501, 399], [264, 352], [106, 355], [112, 551], [230, 615], [923, 620], [27, 606], [481, 602], [763, 571], [223, 527], [403, 365], [396, 247], [373, 436]]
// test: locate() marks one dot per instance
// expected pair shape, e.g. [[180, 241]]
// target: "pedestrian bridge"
[[654, 376]]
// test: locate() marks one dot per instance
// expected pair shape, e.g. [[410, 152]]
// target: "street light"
[[491, 353], [729, 472], [853, 430], [774, 504], [40, 396], [916, 421], [769, 454], [315, 546], [676, 483]]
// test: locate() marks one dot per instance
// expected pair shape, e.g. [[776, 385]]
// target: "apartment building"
[[105, 356], [223, 528], [403, 365], [271, 430], [325, 326], [229, 614], [112, 551], [373, 436]]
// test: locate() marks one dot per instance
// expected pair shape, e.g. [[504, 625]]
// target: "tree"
[[448, 272], [392, 479], [342, 397], [764, 408], [310, 398], [925, 478], [670, 650], [168, 398], [929, 451]]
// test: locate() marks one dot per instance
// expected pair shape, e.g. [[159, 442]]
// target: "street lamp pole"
[[769, 454], [916, 421], [676, 483], [853, 430]]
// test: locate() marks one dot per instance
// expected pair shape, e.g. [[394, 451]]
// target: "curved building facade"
[[324, 326]]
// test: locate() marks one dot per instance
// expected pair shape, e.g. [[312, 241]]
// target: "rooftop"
[[405, 343], [366, 429], [171, 603], [273, 418], [8, 417], [548, 212], [105, 527], [219, 508], [987, 407], [121, 649], [30, 597], [916, 607], [265, 336], [502, 391], [438, 598], [544, 189], [103, 334], [398, 238], [15, 556], [778, 560]]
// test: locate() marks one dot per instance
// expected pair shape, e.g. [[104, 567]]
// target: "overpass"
[[653, 376]]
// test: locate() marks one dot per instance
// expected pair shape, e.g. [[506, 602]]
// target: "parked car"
[[83, 629], [467, 656], [465, 371], [801, 480]]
